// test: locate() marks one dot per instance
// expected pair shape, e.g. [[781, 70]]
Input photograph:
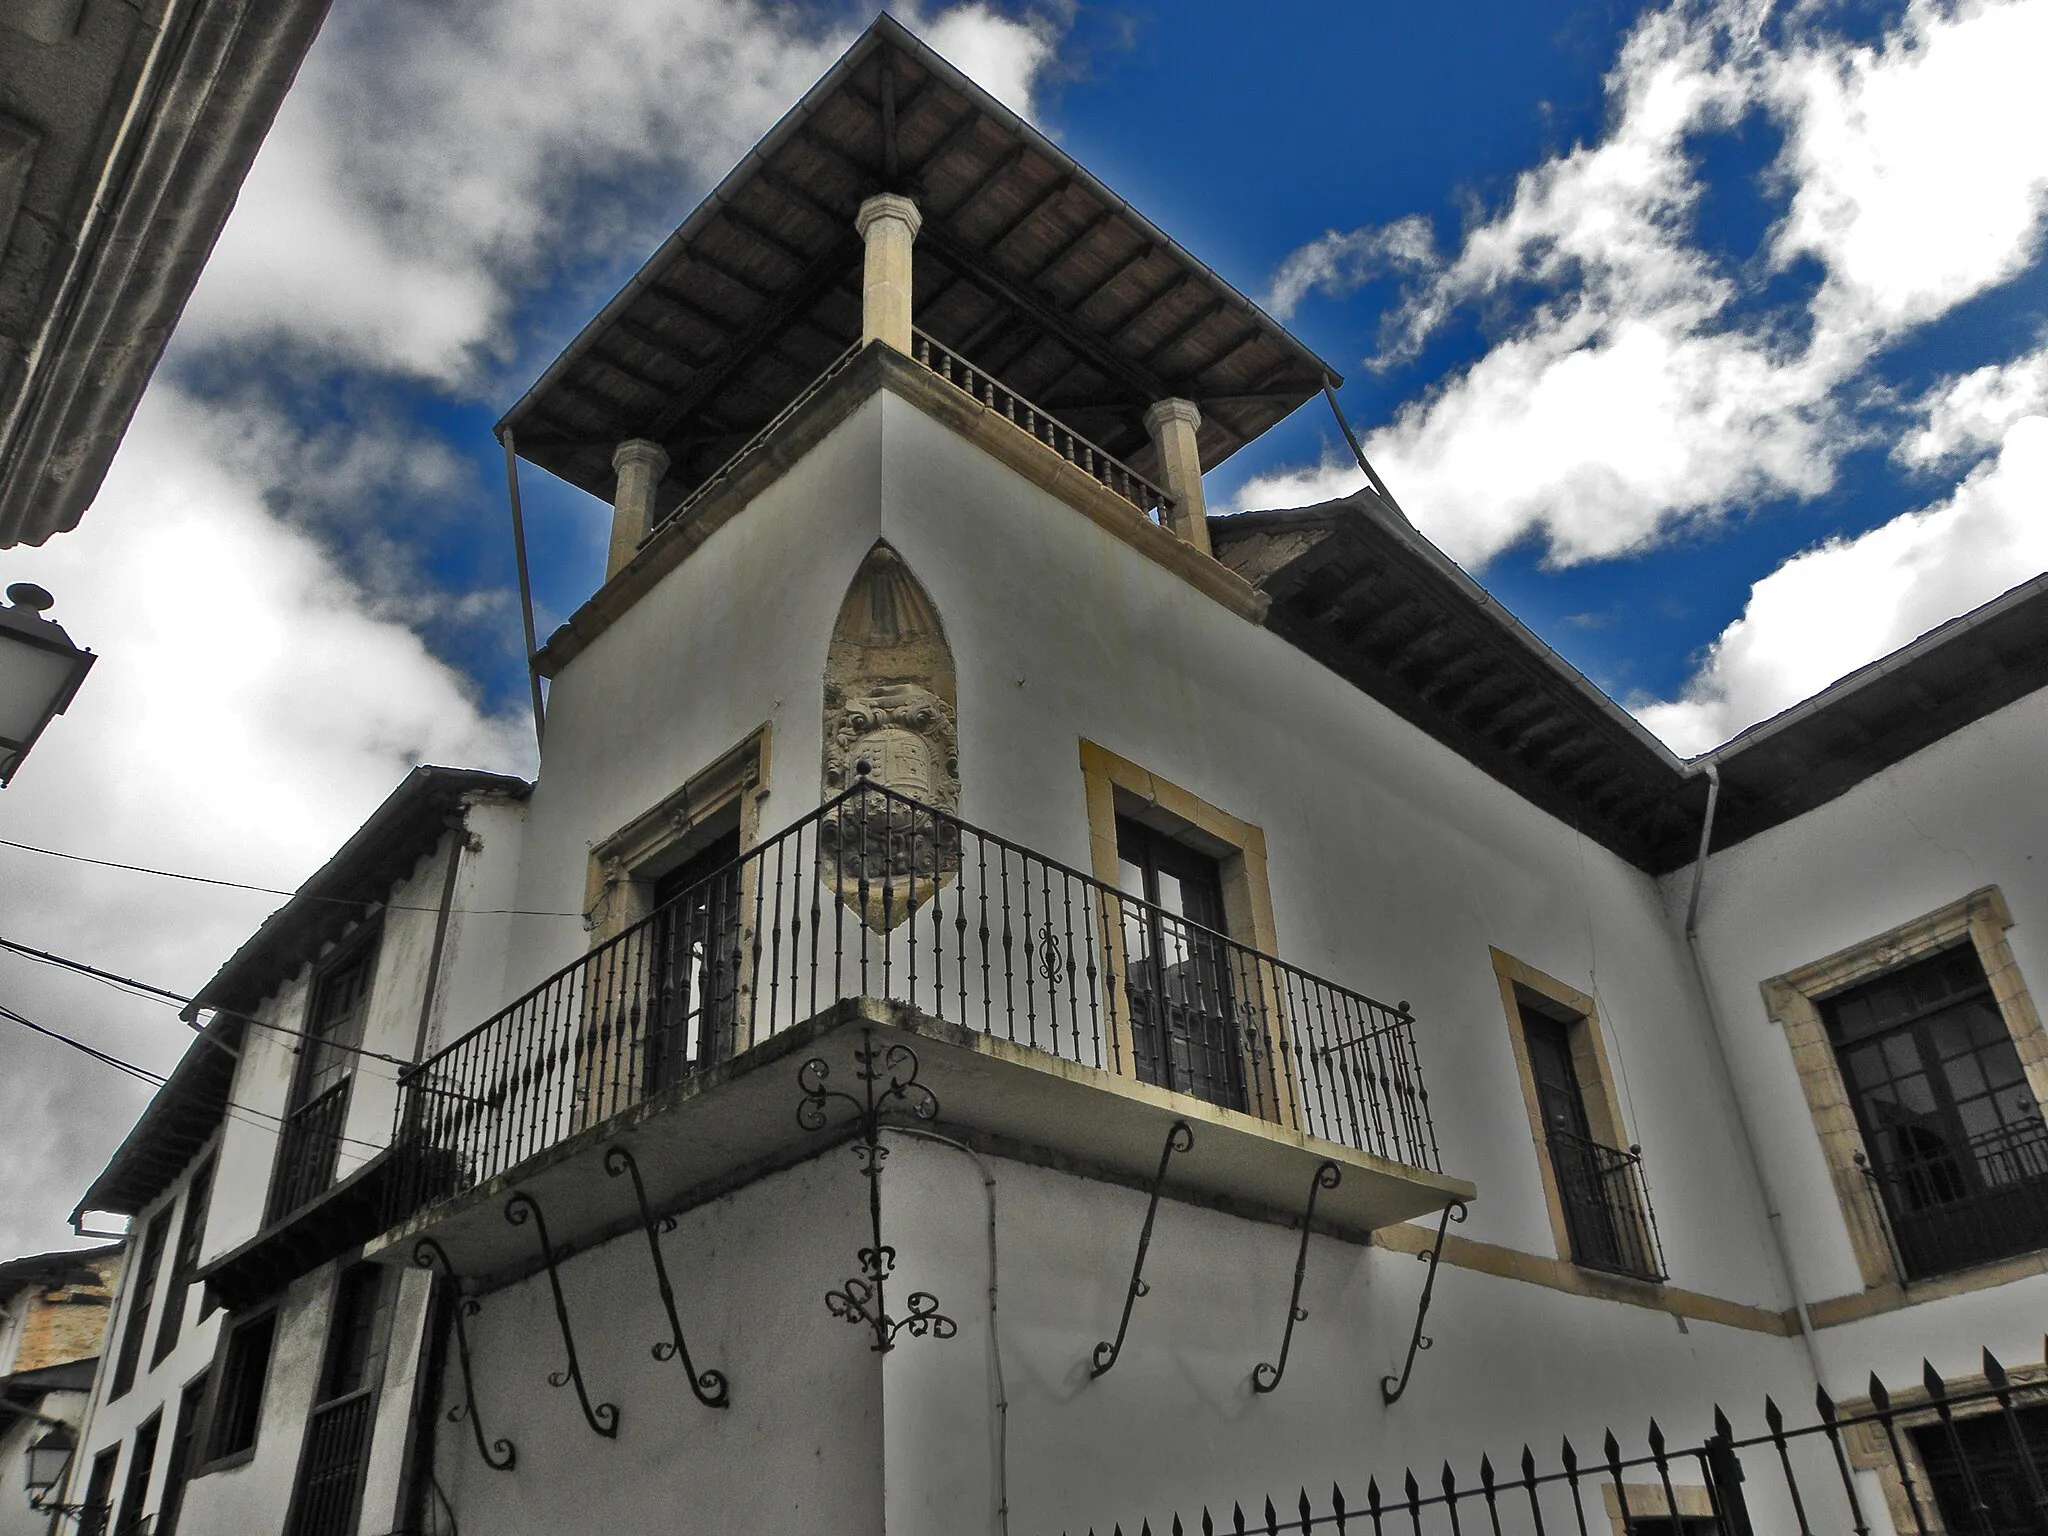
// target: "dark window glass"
[[696, 959], [327, 1498], [136, 1328], [238, 1412], [97, 1513], [2004, 1503], [1958, 1150], [135, 1489], [317, 1110], [1184, 1008], [191, 1234], [1606, 1214], [180, 1469]]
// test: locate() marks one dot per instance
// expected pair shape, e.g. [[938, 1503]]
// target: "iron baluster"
[[1656, 1439], [1180, 1137], [863, 1299], [603, 1419], [1391, 1387], [1613, 1449], [1450, 1487], [1881, 1400], [1529, 1487], [1725, 1477], [1570, 1458], [710, 1387], [2000, 1384], [1774, 1420], [1938, 1395], [1825, 1405], [1486, 1488], [499, 1455], [1266, 1377]]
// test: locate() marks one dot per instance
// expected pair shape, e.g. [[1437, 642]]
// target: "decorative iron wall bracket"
[[1266, 1377], [1391, 1387], [1180, 1137], [709, 1386], [603, 1418], [499, 1455], [862, 1298]]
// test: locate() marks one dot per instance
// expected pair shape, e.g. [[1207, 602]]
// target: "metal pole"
[[540, 719], [1357, 452]]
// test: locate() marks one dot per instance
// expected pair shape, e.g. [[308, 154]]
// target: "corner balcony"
[[1054, 1017]]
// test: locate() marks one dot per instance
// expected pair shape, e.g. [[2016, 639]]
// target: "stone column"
[[640, 465], [1173, 425], [888, 223]]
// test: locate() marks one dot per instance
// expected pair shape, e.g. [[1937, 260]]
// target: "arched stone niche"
[[889, 704]]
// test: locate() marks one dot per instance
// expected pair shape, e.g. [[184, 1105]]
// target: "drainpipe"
[[1774, 1217]]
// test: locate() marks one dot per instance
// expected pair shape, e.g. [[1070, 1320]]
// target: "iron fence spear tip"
[[1612, 1447], [1880, 1399], [1772, 1416], [1993, 1371], [1272, 1520], [1485, 1470], [1656, 1439]]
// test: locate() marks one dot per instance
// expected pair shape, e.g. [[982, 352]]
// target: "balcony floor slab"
[[736, 1122]]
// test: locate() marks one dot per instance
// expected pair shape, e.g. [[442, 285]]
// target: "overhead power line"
[[164, 994], [247, 1114], [275, 890]]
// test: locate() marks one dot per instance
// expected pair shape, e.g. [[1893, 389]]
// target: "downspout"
[[540, 715], [458, 839], [1773, 1217]]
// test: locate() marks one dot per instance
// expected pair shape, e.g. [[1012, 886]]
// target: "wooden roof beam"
[[1141, 380], [990, 177], [812, 284], [1186, 328], [1052, 194]]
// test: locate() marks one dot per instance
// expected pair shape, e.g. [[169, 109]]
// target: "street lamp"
[[48, 1459], [40, 669]]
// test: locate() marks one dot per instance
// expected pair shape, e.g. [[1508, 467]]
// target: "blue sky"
[[1713, 337]]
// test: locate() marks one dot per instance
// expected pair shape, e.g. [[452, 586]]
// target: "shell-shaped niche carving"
[[889, 725]]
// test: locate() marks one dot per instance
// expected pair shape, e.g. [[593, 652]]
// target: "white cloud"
[[1919, 164], [249, 708], [434, 160], [1850, 601], [1635, 397], [1339, 261], [1969, 414]]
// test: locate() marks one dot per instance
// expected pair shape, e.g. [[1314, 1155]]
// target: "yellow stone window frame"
[[1793, 1001]]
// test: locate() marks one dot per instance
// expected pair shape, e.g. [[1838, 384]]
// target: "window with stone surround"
[[1924, 1065]]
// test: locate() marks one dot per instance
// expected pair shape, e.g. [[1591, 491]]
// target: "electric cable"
[[233, 1109], [276, 890], [165, 995]]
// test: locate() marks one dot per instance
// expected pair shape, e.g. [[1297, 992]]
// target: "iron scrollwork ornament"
[[498, 1455], [1266, 1377], [1180, 1137], [888, 1079], [603, 1418], [1391, 1387], [710, 1387]]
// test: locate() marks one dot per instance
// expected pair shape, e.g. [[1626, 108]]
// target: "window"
[[1190, 1011], [238, 1408], [136, 1327], [697, 955], [1924, 1064], [1599, 1204], [1956, 1147], [328, 1494], [97, 1511], [315, 1114], [1986, 1488], [191, 1234], [179, 1472], [136, 1489], [1184, 1030]]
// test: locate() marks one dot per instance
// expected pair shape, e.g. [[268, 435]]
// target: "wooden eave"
[[1026, 265]]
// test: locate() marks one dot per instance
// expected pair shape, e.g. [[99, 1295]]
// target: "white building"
[[924, 712]]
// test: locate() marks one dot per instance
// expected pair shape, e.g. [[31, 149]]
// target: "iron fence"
[[1948, 1210], [309, 1144], [1948, 1459], [876, 895], [1098, 463], [330, 1485], [1606, 1206]]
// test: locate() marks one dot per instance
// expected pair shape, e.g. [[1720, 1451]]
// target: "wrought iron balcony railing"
[[1047, 428], [1949, 1207], [876, 895], [308, 1146], [1606, 1206]]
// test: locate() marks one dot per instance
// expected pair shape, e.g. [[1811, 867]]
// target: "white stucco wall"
[[799, 1449], [1964, 813], [18, 1431]]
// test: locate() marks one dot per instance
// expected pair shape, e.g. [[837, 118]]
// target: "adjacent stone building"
[[53, 1318]]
